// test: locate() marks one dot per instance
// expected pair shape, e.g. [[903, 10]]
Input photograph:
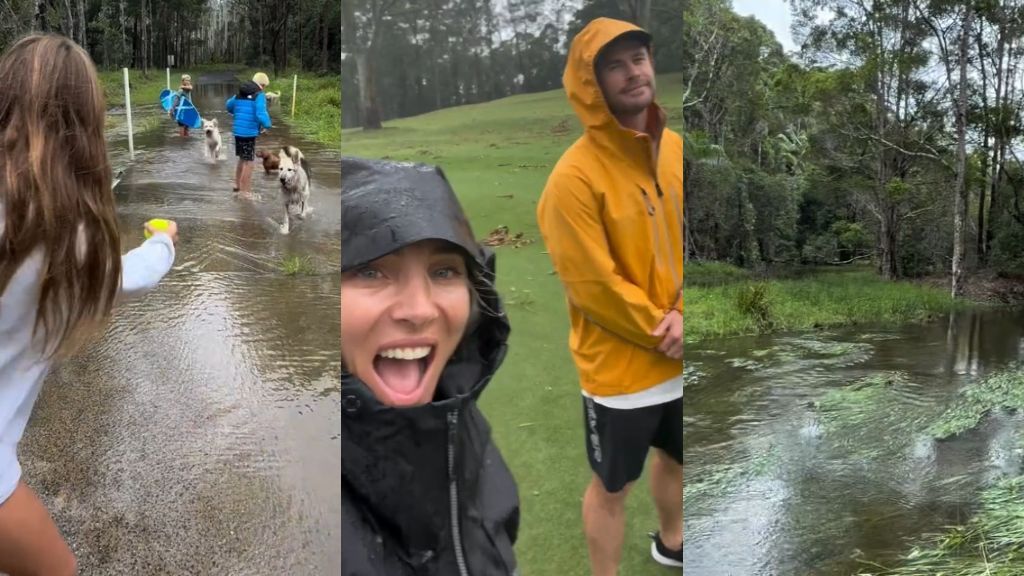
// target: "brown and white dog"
[[294, 178], [270, 161], [272, 97]]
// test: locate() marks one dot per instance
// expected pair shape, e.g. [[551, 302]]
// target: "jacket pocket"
[[503, 545]]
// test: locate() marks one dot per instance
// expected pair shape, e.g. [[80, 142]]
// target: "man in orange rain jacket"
[[612, 218]]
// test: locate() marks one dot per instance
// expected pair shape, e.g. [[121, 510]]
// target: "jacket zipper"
[[453, 492], [657, 226], [668, 232], [668, 229], [657, 233]]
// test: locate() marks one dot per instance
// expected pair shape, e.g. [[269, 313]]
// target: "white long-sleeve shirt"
[[23, 364]]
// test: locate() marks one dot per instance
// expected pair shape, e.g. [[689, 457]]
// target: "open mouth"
[[402, 370]]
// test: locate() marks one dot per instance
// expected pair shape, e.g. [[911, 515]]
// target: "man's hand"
[[671, 327]]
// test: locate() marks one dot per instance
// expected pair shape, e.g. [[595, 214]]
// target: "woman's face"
[[402, 317]]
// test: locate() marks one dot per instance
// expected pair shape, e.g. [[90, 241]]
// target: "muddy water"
[[199, 434], [791, 471]]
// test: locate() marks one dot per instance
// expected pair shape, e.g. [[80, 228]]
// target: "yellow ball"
[[156, 224]]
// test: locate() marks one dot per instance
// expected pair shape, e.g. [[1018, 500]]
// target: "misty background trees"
[[143, 34], [407, 57], [892, 137]]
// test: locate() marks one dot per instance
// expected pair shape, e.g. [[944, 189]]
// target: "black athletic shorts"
[[618, 440], [245, 147]]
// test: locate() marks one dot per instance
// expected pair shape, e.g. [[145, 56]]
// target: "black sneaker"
[[663, 555]]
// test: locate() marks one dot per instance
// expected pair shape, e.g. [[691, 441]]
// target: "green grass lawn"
[[498, 156], [145, 89]]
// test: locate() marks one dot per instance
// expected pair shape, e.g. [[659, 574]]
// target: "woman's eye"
[[368, 274], [447, 273]]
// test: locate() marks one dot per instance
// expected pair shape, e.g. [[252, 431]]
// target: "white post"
[[128, 110], [168, 78], [295, 86]]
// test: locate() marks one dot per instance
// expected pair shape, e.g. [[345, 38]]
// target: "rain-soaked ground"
[[199, 434], [808, 454]]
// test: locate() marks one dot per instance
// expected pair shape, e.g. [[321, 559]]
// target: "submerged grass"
[[297, 266], [851, 417], [990, 544], [145, 90], [1003, 390], [821, 299], [715, 482]]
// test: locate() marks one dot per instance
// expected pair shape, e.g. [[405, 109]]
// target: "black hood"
[[248, 89], [395, 465], [386, 206]]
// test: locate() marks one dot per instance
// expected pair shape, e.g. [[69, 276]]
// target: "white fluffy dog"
[[213, 141], [294, 177]]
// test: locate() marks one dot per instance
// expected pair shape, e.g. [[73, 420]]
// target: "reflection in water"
[[199, 435], [796, 466]]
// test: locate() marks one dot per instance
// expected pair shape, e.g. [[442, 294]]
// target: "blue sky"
[[774, 14]]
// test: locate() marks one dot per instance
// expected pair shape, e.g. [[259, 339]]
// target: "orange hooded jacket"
[[611, 216]]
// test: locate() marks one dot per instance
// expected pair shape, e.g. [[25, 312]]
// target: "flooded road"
[[199, 435], [809, 454]]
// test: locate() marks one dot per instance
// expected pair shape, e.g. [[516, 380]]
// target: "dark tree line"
[[144, 34], [406, 57]]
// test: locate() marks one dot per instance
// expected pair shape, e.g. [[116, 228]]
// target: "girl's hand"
[[171, 229]]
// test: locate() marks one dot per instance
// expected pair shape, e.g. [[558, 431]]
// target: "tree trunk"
[[982, 191], [882, 207], [68, 27], [145, 39], [960, 202], [83, 41], [323, 46], [124, 37], [638, 12], [369, 110], [985, 147], [41, 23], [888, 236]]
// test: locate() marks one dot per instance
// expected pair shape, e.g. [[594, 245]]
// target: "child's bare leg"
[[247, 177], [30, 542]]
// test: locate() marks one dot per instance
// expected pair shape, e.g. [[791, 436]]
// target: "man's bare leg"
[[604, 523], [667, 490]]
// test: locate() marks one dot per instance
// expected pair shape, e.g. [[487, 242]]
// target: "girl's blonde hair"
[[55, 186]]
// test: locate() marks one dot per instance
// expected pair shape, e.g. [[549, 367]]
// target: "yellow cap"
[[261, 79]]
